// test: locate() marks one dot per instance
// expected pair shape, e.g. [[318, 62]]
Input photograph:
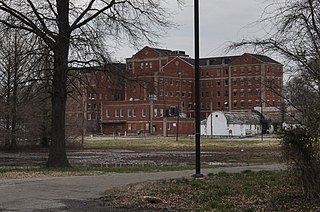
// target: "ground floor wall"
[[161, 127]]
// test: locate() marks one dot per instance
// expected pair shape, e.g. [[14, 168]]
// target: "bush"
[[301, 149]]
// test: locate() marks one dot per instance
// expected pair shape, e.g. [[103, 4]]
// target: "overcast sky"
[[221, 21]]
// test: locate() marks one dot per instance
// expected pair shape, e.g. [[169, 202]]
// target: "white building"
[[239, 124]]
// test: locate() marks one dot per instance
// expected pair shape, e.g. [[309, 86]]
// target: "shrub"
[[301, 149]]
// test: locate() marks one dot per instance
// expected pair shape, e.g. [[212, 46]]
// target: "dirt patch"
[[111, 158]]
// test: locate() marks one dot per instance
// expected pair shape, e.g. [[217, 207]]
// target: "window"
[[258, 103], [218, 84], [184, 82], [234, 81], [190, 94], [189, 105], [257, 92], [142, 65], [92, 96], [107, 113], [129, 127], [218, 94], [249, 103], [257, 69], [89, 116], [257, 79], [249, 92], [242, 104], [235, 104], [249, 70], [160, 92], [234, 71], [116, 112], [161, 112], [129, 112], [89, 106], [219, 104], [155, 112], [242, 92], [208, 105], [121, 113], [226, 82], [226, 93], [150, 65], [235, 93], [143, 112], [93, 116], [242, 70], [242, 82], [134, 114]]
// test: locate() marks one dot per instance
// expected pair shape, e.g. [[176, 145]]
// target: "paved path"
[[70, 193]]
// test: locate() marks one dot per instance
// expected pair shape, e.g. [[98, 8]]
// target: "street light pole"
[[197, 87]]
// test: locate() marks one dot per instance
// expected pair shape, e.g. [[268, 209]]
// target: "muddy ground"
[[111, 158]]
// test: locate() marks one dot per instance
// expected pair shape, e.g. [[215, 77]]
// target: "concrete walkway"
[[67, 193]]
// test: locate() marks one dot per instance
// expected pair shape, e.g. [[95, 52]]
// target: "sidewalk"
[[60, 193]]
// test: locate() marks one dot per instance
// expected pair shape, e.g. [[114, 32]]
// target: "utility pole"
[[197, 87]]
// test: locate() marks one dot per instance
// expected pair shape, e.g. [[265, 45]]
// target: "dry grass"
[[169, 143], [247, 191]]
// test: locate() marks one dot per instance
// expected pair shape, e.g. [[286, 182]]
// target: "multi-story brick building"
[[157, 95]]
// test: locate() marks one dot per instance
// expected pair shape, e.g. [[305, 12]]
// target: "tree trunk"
[[57, 151], [13, 145]]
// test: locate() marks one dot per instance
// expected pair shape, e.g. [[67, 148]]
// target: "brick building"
[[156, 93]]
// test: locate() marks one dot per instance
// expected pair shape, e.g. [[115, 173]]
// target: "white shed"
[[240, 124]]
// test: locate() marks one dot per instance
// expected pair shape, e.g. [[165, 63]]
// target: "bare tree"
[[17, 62], [294, 33], [75, 32]]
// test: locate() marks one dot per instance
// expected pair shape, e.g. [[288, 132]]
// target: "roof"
[[264, 58], [242, 118], [164, 51], [215, 61]]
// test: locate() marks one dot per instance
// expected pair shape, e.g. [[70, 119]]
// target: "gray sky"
[[221, 21]]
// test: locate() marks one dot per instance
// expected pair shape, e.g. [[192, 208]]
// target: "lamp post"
[[197, 87]]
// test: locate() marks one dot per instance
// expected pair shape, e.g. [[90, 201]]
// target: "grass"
[[246, 191], [168, 143], [39, 171]]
